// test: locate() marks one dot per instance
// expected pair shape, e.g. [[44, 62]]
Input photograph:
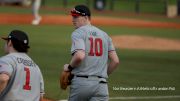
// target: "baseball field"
[[148, 48]]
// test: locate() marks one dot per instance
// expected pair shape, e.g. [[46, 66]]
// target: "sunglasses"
[[74, 12]]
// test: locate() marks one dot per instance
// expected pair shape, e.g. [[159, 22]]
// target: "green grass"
[[59, 3], [15, 9], [50, 48], [156, 7], [146, 69], [149, 6], [156, 32]]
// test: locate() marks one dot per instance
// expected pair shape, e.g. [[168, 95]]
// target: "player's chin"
[[75, 26]]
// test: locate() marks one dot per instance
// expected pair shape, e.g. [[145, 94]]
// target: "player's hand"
[[66, 69]]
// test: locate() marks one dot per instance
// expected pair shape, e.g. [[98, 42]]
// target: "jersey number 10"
[[96, 46]]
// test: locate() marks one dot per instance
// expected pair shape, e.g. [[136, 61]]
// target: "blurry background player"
[[91, 50], [35, 10], [36, 4], [20, 77]]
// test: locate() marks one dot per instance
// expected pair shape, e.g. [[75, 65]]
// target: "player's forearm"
[[114, 61], [2, 86], [77, 58], [3, 81], [112, 66]]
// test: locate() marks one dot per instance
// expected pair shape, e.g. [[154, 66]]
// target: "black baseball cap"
[[19, 36], [80, 10]]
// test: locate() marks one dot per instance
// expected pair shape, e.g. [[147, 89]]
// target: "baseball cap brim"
[[4, 38]]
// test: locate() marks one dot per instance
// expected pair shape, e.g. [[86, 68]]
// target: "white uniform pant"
[[88, 89], [35, 8]]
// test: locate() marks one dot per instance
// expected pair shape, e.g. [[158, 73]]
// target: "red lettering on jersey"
[[91, 53], [98, 44], [27, 83], [98, 48]]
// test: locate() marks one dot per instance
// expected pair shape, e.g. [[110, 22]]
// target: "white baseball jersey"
[[28, 83], [96, 44]]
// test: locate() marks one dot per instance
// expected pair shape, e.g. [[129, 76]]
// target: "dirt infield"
[[66, 20], [146, 43], [46, 99]]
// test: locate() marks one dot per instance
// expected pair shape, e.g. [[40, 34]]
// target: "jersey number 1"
[[96, 47], [27, 83]]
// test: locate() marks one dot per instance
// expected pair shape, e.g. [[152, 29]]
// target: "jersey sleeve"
[[77, 42], [42, 92], [5, 67], [110, 45]]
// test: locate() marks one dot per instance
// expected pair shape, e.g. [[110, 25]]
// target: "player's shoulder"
[[78, 32], [100, 31], [84, 28], [7, 58]]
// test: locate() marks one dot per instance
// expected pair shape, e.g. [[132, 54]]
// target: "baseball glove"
[[65, 79]]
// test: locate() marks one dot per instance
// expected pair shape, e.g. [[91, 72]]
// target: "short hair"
[[19, 40], [19, 46]]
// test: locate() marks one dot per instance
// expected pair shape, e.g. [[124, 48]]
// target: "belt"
[[85, 76]]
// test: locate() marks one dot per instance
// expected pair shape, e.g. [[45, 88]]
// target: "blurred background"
[[170, 8], [131, 24]]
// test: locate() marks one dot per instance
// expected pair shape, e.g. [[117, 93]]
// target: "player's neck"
[[86, 23], [12, 50]]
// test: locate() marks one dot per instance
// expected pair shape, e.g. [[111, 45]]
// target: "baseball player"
[[20, 76], [35, 10], [91, 49]]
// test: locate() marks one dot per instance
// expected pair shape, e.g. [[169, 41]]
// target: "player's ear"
[[88, 18], [9, 43]]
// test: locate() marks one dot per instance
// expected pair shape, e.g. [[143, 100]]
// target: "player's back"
[[28, 82], [96, 43]]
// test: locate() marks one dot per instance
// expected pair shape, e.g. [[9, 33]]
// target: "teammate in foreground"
[[20, 77], [35, 10], [91, 49]]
